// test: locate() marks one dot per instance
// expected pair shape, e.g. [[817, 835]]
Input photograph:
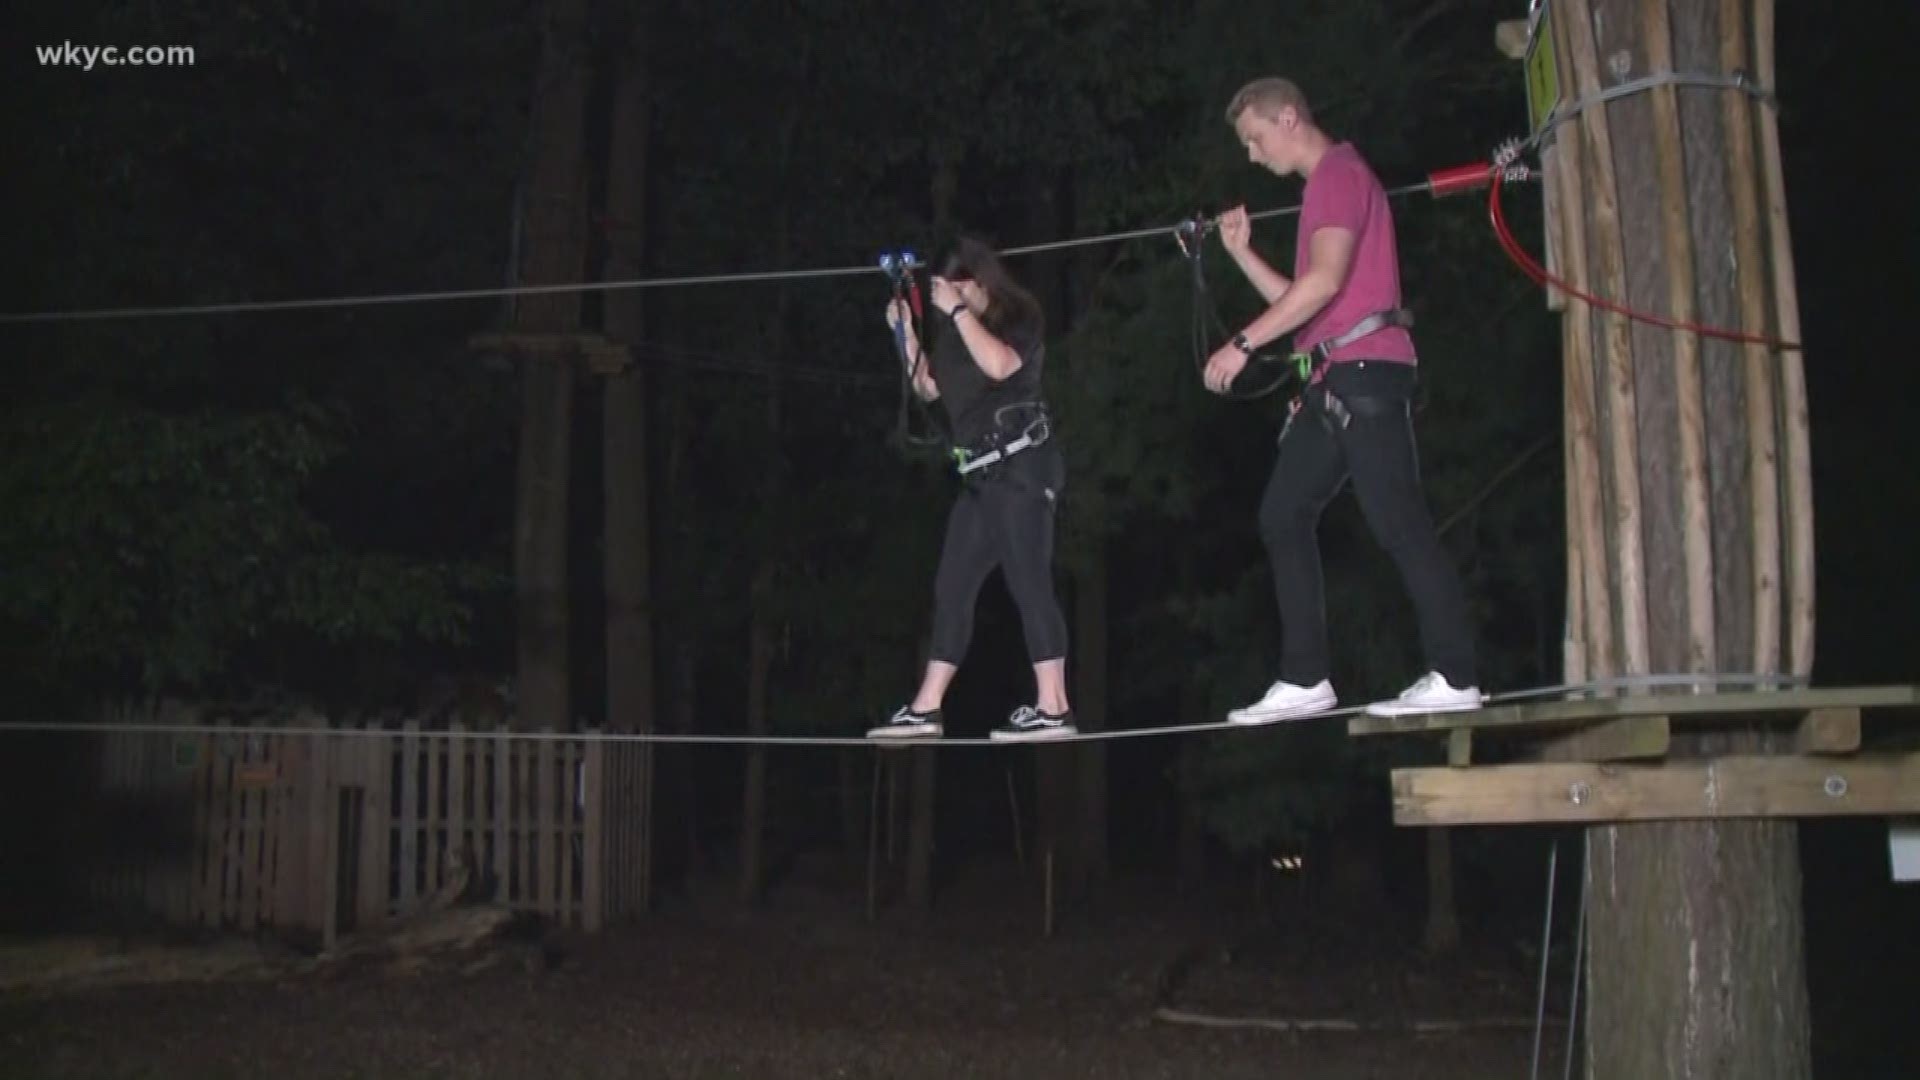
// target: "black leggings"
[[1003, 519], [1375, 447]]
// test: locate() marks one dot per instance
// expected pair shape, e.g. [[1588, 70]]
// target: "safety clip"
[[1194, 230]]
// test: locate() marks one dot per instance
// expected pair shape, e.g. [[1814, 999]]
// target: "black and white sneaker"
[[907, 724], [1028, 724]]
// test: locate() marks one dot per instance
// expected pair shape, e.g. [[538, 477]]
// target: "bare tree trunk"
[[753, 809], [1443, 915], [628, 547], [680, 582], [1697, 959], [920, 828], [553, 252], [853, 822], [1090, 640], [1090, 714], [763, 620]]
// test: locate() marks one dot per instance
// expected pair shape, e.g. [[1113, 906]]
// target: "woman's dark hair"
[[1007, 303]]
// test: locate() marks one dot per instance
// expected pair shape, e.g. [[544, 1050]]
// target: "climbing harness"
[[899, 267], [998, 447]]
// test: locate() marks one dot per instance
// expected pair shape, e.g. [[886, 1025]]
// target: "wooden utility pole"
[[1678, 501], [553, 252]]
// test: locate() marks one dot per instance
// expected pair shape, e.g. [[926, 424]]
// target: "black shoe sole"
[[1034, 734]]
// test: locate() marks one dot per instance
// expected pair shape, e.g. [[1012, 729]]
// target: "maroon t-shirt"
[[1342, 192]]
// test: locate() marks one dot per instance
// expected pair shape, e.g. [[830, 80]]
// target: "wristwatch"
[[1240, 342]]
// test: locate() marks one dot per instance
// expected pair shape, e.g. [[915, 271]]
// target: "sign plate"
[[1543, 70]]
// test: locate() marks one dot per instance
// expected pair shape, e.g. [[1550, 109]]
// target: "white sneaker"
[[1285, 701], [1432, 693]]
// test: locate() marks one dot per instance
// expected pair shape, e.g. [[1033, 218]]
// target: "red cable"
[[1540, 275]]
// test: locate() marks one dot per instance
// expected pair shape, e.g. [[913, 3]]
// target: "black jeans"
[[1004, 518], [1375, 445]]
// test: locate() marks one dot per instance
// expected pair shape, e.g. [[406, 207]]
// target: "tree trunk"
[[853, 821], [920, 841], [1443, 915], [1091, 861], [753, 808], [553, 252], [1697, 964], [628, 550], [1090, 652], [764, 622], [680, 581], [945, 183]]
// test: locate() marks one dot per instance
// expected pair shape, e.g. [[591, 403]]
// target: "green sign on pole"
[[1543, 71]]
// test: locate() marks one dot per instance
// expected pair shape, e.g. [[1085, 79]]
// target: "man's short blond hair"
[[1267, 97]]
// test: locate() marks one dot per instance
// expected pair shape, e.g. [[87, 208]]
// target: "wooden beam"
[[1729, 787], [1828, 731], [1738, 705], [1624, 739], [1510, 37], [1460, 747]]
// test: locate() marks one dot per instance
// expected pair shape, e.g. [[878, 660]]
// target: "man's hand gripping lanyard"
[[1191, 234], [1264, 372]]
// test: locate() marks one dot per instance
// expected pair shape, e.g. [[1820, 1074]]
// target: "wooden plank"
[[1459, 747], [201, 868], [408, 820], [1738, 705], [459, 777], [248, 830], [1829, 731], [313, 866], [326, 828], [593, 830], [1728, 787], [293, 852], [521, 825], [231, 817], [540, 824], [376, 836], [1624, 739], [501, 864], [267, 847], [435, 753]]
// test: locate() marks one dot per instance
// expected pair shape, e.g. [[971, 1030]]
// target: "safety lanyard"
[[899, 268]]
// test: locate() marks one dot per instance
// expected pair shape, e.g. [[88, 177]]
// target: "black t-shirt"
[[971, 398]]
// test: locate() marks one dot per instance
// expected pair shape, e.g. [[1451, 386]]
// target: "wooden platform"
[[1604, 759]]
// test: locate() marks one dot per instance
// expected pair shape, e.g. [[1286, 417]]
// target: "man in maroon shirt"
[[1354, 419]]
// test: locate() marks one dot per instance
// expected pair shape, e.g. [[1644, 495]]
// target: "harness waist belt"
[[968, 459], [1399, 318]]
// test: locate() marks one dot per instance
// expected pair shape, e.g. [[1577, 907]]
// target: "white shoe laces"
[[1426, 684]]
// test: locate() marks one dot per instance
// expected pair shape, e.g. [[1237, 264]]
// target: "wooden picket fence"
[[325, 833]]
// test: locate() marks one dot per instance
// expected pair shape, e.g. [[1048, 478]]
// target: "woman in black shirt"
[[985, 370]]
